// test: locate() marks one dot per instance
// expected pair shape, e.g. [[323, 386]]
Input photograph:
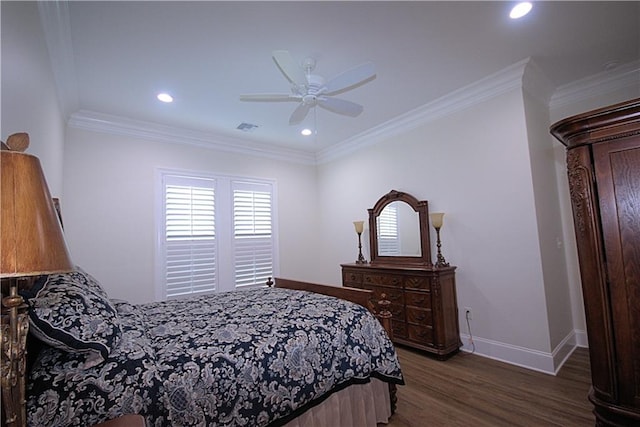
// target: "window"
[[190, 235], [388, 238], [216, 233], [252, 236]]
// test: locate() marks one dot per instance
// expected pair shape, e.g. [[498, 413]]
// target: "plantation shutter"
[[253, 239], [190, 235], [388, 242]]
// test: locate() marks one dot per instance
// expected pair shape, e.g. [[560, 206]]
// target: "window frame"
[[224, 220], [387, 220]]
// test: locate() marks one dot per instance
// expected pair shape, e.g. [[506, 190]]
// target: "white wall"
[[550, 233], [110, 183], [29, 98], [473, 165]]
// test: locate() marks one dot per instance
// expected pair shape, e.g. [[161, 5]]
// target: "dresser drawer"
[[419, 316], [399, 329], [382, 280], [397, 312], [417, 282], [420, 334], [418, 308], [352, 278], [418, 299]]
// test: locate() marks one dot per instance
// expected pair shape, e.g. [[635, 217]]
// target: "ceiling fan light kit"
[[311, 90]]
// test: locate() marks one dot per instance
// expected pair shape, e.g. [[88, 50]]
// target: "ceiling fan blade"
[[299, 113], [351, 78], [269, 97], [340, 106], [291, 70]]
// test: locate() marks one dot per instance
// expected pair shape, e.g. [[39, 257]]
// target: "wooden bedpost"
[[384, 315], [363, 297]]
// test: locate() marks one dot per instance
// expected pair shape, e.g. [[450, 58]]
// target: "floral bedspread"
[[246, 358]]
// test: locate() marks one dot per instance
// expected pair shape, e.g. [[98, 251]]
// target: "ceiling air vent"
[[246, 127]]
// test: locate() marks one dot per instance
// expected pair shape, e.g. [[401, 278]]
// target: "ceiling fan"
[[312, 90]]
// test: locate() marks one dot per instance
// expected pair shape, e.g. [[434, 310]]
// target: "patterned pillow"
[[87, 281], [71, 311]]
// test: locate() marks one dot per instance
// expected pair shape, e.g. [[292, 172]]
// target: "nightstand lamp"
[[32, 244], [436, 221], [359, 226]]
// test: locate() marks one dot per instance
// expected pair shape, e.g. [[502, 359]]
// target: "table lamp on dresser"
[[31, 244]]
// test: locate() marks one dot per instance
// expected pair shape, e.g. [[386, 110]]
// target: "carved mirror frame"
[[422, 209]]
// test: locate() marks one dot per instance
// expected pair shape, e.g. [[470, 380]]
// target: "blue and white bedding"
[[247, 358]]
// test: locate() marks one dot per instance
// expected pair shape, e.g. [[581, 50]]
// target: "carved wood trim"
[[421, 207], [605, 124], [580, 178], [14, 363]]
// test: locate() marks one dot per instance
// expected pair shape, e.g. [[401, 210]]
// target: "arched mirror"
[[399, 230]]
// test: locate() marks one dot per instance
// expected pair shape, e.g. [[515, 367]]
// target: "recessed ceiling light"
[[520, 10], [306, 132], [165, 97]]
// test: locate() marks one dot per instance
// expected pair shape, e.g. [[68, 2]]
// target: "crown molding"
[[56, 25], [626, 76], [503, 81], [116, 125], [495, 84]]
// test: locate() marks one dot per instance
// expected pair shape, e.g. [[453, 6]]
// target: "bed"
[[271, 356]]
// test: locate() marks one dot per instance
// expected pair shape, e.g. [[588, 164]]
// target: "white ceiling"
[[114, 57]]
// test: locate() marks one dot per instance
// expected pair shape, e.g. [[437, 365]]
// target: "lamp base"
[[440, 261], [13, 338], [360, 259]]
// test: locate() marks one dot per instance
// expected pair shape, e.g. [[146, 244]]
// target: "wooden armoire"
[[603, 162]]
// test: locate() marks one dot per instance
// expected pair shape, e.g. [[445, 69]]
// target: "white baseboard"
[[581, 338], [546, 362]]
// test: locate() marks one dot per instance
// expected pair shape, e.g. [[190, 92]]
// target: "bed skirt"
[[357, 405]]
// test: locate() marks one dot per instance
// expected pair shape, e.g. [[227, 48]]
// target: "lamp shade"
[[31, 239], [436, 219], [359, 225]]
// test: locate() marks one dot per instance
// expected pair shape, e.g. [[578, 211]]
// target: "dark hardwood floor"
[[471, 390]]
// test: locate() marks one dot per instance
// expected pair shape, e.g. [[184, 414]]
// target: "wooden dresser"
[[423, 303], [603, 163]]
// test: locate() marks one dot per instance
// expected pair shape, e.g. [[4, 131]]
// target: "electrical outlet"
[[468, 314]]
